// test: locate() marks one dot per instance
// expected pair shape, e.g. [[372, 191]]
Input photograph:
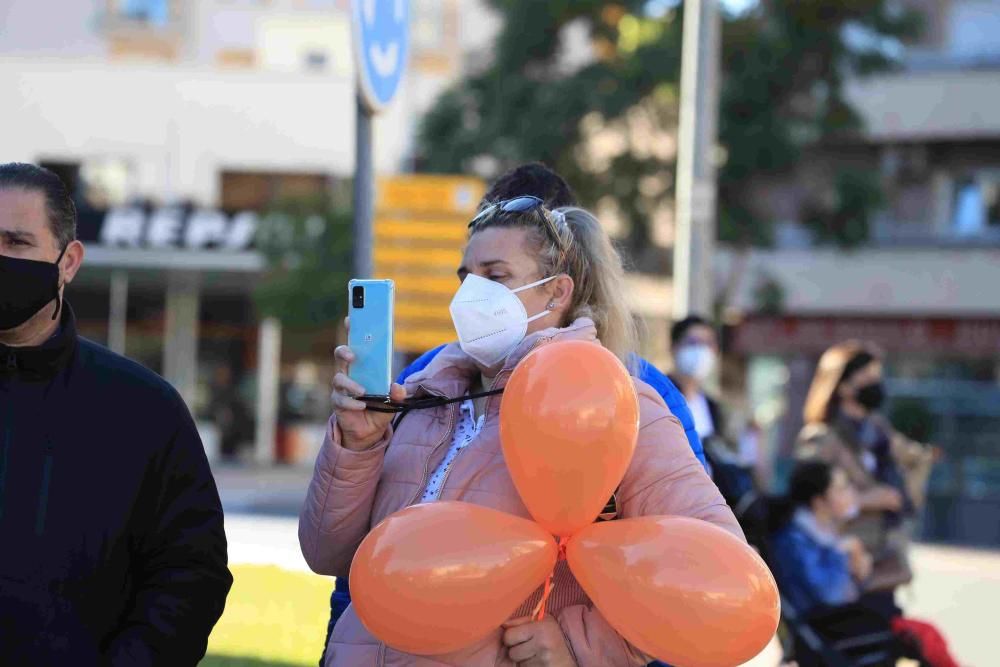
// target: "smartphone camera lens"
[[358, 297]]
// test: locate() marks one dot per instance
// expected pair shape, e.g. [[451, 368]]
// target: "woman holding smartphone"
[[545, 276]]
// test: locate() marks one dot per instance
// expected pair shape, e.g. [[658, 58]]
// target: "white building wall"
[[930, 105], [180, 122], [50, 28], [180, 126], [892, 282]]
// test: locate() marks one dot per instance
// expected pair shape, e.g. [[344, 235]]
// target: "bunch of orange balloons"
[[438, 577]]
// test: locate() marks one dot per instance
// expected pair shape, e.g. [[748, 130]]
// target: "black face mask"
[[871, 395], [26, 286]]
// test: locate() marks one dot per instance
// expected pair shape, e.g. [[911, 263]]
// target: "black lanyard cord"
[[425, 403]]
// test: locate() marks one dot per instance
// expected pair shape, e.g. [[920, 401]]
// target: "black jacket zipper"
[[6, 431]]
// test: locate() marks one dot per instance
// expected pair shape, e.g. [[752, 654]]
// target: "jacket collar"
[[806, 521], [452, 371], [42, 362]]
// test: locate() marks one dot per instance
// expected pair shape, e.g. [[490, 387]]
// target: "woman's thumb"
[[397, 393]]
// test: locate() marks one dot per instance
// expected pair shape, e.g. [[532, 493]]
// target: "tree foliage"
[[784, 66], [306, 244]]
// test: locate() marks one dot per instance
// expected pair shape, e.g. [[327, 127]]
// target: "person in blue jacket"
[[826, 574], [536, 179]]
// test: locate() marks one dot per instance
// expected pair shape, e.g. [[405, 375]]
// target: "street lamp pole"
[[694, 239]]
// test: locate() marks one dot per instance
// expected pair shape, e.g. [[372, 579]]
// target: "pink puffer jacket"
[[351, 492]]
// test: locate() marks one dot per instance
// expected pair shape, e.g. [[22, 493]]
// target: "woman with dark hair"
[[827, 575], [889, 471]]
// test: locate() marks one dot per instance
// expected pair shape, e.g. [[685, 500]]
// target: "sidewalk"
[[262, 490]]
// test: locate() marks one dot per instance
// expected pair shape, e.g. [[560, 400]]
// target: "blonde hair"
[[571, 240], [835, 366]]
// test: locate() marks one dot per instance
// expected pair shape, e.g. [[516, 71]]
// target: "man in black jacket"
[[112, 549]]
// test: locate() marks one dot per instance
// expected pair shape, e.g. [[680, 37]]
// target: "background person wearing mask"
[[112, 550], [694, 345], [821, 571], [844, 428], [695, 349], [734, 463]]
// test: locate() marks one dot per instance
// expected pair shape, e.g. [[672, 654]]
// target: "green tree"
[[784, 66], [306, 244]]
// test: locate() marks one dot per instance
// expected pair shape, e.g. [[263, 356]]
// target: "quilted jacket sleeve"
[[337, 512]]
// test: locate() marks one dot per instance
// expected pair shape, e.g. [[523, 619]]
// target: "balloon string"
[[539, 611]]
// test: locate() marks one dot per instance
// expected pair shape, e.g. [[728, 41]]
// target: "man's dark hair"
[[59, 206], [679, 329], [810, 479], [532, 178]]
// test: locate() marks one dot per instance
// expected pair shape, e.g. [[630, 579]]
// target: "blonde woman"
[[559, 278]]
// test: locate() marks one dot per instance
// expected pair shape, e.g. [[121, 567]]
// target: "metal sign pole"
[[381, 51], [363, 191]]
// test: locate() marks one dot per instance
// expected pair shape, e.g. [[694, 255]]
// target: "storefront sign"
[[970, 337], [170, 227]]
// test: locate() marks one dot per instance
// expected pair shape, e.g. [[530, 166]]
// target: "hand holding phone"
[[359, 427]]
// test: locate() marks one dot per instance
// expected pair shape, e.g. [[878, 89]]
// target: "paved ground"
[[958, 589], [271, 490]]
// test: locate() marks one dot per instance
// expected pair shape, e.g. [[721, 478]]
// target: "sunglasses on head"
[[521, 204]]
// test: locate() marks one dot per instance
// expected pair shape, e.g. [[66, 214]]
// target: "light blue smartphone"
[[370, 336]]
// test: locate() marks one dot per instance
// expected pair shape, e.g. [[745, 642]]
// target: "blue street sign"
[[381, 48]]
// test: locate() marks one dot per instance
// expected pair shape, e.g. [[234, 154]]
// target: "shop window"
[[257, 191], [95, 183], [106, 182]]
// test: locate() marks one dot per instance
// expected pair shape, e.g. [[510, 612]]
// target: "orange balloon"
[[680, 589], [439, 577], [568, 425]]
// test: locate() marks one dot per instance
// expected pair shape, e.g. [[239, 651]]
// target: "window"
[[256, 191], [96, 183], [973, 28], [976, 210], [316, 60], [147, 12]]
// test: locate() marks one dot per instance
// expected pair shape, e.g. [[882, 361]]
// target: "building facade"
[[176, 123], [924, 287]]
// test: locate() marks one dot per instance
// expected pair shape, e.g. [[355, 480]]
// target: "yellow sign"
[[420, 230]]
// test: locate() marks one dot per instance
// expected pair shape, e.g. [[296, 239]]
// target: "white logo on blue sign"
[[381, 45]]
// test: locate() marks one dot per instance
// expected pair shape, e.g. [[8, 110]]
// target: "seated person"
[[819, 570]]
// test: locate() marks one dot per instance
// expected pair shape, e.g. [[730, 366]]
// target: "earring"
[[552, 304]]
